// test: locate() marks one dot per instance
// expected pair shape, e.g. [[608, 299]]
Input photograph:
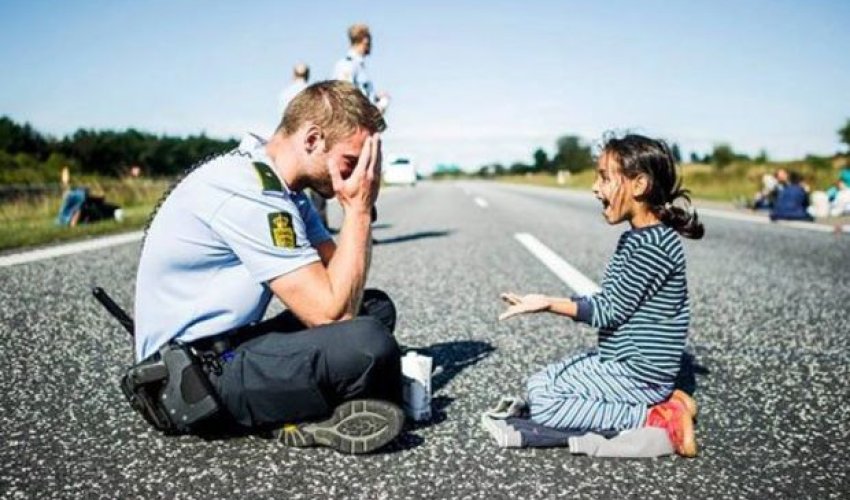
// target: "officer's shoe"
[[357, 426]]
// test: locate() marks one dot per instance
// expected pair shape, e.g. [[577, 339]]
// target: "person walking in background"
[[300, 79], [352, 67]]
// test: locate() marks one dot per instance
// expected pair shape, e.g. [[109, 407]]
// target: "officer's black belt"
[[222, 343]]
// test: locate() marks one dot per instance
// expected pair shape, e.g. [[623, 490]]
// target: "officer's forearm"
[[349, 265]]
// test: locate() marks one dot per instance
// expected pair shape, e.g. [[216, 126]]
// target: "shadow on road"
[[383, 225], [689, 369], [450, 358], [411, 237]]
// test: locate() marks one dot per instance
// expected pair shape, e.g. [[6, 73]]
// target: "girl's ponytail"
[[681, 216]]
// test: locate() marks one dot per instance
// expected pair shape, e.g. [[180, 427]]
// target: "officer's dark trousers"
[[283, 372]]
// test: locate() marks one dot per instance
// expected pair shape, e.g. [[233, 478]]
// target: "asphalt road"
[[769, 345]]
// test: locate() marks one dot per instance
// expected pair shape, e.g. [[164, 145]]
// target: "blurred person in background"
[[300, 79], [771, 185], [352, 67], [792, 201], [839, 193], [762, 199], [835, 201], [79, 206]]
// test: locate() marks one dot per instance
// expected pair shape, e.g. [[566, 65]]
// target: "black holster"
[[171, 390]]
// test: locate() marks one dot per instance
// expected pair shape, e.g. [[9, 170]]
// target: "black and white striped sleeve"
[[640, 275]]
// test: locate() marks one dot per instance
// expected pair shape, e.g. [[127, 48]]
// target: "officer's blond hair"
[[357, 32], [337, 107]]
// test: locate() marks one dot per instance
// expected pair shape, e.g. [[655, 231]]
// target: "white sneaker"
[[505, 435], [508, 406]]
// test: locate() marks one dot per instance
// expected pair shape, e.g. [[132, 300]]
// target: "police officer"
[[352, 68], [236, 231]]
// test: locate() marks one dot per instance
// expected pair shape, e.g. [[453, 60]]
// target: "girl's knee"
[[543, 411], [539, 379]]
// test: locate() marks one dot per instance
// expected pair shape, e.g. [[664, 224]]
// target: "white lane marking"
[[761, 219], [481, 202], [567, 273], [69, 248]]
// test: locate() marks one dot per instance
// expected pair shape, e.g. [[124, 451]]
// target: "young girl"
[[642, 310]]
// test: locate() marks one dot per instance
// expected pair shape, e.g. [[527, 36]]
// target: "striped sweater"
[[642, 311]]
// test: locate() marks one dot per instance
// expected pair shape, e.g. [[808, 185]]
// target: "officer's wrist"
[[358, 213]]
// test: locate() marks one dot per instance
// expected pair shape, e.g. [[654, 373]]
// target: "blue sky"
[[472, 81]]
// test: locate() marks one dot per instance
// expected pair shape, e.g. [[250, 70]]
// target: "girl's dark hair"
[[639, 155]]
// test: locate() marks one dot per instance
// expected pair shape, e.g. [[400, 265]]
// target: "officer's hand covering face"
[[343, 156]]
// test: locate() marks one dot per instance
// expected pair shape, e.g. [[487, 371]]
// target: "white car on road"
[[400, 170]]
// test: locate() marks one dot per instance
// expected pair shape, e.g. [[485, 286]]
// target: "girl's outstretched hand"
[[526, 304]]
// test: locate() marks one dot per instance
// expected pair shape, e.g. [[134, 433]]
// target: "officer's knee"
[[372, 337], [377, 304], [374, 294]]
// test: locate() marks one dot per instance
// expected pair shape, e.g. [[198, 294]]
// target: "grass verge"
[[728, 188], [733, 184]]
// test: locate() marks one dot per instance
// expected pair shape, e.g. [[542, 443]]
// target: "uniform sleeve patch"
[[268, 178], [282, 232]]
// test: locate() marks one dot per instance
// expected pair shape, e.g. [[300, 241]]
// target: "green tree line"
[[574, 155], [28, 156]]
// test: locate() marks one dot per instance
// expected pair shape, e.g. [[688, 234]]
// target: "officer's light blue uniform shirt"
[[215, 243]]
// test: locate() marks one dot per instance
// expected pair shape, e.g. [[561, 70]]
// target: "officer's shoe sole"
[[358, 426]]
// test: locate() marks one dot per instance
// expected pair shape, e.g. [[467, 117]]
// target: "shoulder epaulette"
[[268, 178]]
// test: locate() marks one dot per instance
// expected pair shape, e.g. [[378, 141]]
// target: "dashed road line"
[[481, 202], [574, 279], [69, 249]]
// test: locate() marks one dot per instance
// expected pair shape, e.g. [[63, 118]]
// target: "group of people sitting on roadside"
[[787, 196]]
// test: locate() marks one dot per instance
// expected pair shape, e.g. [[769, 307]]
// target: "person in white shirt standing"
[[352, 68], [300, 79]]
